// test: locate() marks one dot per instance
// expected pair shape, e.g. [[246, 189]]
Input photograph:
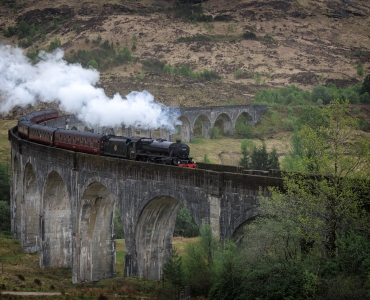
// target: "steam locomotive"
[[134, 148]]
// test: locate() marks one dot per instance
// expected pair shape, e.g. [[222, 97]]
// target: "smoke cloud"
[[53, 79]]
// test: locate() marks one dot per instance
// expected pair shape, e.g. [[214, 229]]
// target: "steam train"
[[134, 148]]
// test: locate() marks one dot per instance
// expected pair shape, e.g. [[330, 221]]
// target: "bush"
[[238, 74], [249, 35], [360, 69], [54, 44], [5, 225], [323, 93], [185, 225], [214, 132], [12, 30], [92, 64]]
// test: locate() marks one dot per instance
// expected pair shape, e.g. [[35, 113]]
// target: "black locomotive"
[[134, 148]]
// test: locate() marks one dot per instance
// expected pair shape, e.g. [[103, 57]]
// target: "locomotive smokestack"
[[178, 141]]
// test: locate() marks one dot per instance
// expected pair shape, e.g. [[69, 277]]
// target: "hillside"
[[305, 43]]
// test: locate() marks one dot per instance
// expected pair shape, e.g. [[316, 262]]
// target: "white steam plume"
[[52, 79]]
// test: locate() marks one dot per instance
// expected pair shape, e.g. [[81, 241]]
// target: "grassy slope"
[[16, 263]]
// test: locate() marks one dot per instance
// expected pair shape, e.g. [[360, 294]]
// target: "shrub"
[[185, 225], [5, 225], [155, 65], [214, 132], [92, 64], [12, 30], [360, 69], [249, 35], [238, 74], [323, 93], [54, 44], [206, 159]]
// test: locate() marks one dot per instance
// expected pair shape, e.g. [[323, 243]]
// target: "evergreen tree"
[[259, 158], [185, 225], [366, 85], [247, 147], [173, 270], [273, 160]]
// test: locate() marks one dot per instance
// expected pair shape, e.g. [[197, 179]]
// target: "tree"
[[273, 160], [185, 225], [247, 147], [92, 64], [330, 196], [4, 216], [323, 93], [173, 270], [198, 261], [366, 85], [259, 158]]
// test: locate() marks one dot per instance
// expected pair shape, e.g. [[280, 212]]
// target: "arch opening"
[[224, 124], [31, 214], [202, 126], [243, 126], [153, 236], [96, 234], [56, 224], [74, 128]]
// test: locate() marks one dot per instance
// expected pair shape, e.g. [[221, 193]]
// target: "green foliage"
[[360, 69], [323, 93], [291, 95], [270, 122], [185, 225], [273, 160], [12, 30], [247, 147], [92, 64], [54, 44], [206, 159], [184, 71], [249, 35], [5, 225], [366, 85], [33, 56], [155, 65], [259, 158], [198, 261], [206, 38], [322, 205], [105, 56], [214, 132], [238, 74], [118, 227], [76, 27], [173, 270], [191, 13], [243, 129]]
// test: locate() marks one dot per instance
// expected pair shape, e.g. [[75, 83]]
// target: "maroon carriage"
[[79, 141]]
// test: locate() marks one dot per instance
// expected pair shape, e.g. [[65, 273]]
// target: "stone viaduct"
[[63, 202], [226, 116]]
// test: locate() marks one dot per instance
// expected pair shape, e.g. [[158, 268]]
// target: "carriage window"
[[86, 142], [65, 139], [74, 140], [91, 143]]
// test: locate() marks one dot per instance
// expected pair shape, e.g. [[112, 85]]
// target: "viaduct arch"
[[208, 116], [62, 205]]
